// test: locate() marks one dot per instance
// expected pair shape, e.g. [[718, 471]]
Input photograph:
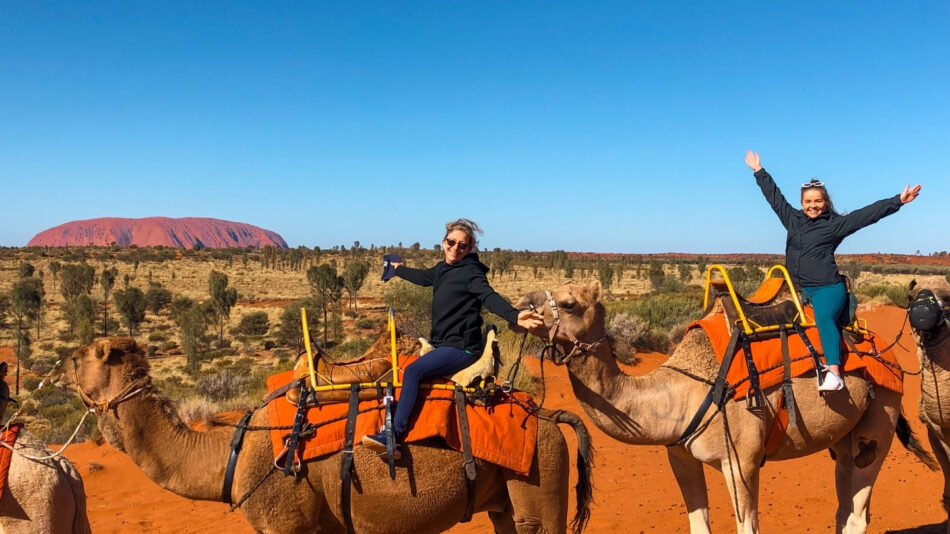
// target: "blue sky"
[[583, 126]]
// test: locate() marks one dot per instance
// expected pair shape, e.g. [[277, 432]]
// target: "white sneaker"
[[831, 382]]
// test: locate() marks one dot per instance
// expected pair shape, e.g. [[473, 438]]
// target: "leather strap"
[[299, 419], [346, 464], [753, 397], [787, 380], [468, 459], [811, 350], [716, 394], [236, 443], [390, 432]]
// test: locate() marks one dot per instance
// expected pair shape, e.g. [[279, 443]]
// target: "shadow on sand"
[[936, 528]]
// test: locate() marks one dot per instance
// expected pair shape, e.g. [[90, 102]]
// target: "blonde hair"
[[465, 225]]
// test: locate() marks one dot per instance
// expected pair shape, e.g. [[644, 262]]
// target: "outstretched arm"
[[420, 277], [872, 213], [772, 193]]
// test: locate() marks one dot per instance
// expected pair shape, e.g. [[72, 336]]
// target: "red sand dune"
[[634, 487], [158, 231]]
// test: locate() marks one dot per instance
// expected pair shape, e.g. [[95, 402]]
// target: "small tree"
[[354, 276], [605, 273], [193, 324], [77, 279], [656, 274], [54, 267], [685, 271], [25, 270], [26, 298], [130, 303], [107, 281], [327, 287], [291, 327], [157, 298], [223, 299], [252, 326]]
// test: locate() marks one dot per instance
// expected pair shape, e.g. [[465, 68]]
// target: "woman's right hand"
[[752, 160]]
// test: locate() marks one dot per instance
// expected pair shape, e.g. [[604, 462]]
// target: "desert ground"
[[634, 487]]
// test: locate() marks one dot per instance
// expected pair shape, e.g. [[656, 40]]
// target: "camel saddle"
[[8, 435], [770, 305], [368, 370]]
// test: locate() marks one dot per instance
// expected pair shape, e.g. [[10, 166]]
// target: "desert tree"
[[130, 304], [252, 326], [655, 273], [354, 276], [4, 309], [179, 305], [605, 273], [290, 330], [193, 323], [327, 287], [157, 297], [223, 299], [107, 282], [25, 270], [26, 299], [684, 271], [54, 267], [77, 279]]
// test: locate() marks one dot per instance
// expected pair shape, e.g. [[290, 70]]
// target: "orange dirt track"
[[634, 487]]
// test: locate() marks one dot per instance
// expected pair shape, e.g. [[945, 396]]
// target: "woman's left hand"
[[910, 194], [530, 320]]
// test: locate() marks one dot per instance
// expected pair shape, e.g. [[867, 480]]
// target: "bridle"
[[928, 320], [578, 347], [130, 390]]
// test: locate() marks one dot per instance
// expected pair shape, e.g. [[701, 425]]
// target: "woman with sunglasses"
[[814, 232], [459, 290]]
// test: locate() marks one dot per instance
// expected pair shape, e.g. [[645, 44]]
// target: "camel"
[[42, 495], [933, 350], [656, 409], [428, 495]]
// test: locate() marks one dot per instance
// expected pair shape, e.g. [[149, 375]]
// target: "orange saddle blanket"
[[504, 433], [767, 355], [8, 436]]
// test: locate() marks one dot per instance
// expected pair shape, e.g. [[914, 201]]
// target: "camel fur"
[[427, 496], [655, 409]]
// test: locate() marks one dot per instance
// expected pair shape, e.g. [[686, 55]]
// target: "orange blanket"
[[8, 436], [504, 433], [767, 354]]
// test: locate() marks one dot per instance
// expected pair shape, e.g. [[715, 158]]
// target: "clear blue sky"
[[584, 126]]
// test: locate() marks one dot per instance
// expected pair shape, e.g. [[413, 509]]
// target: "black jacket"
[[811, 243], [458, 293]]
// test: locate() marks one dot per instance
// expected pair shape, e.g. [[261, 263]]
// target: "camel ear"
[[595, 290], [913, 284]]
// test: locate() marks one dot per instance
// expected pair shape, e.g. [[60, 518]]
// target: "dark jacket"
[[811, 243], [458, 293]]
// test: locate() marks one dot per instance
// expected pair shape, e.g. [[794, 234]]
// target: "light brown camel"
[[428, 495], [932, 331], [42, 495], [656, 409]]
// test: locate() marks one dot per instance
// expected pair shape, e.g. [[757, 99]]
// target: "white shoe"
[[831, 382]]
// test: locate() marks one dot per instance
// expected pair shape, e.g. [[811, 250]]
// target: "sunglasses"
[[813, 183], [462, 245]]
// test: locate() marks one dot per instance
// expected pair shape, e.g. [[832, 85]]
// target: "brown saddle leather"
[[770, 305], [362, 369]]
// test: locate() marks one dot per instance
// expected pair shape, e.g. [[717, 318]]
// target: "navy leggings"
[[829, 304], [440, 362]]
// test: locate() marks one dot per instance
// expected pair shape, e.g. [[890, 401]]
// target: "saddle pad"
[[7, 435], [504, 433], [767, 354]]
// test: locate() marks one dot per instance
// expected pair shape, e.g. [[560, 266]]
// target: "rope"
[[57, 453]]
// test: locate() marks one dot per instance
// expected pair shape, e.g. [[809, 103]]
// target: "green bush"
[[894, 294], [413, 307], [30, 383]]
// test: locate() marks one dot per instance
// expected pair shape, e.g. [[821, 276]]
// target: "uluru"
[[183, 232]]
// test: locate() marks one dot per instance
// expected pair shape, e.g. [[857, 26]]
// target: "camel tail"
[[909, 441], [585, 462], [80, 520]]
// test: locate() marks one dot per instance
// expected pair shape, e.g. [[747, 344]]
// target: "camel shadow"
[[936, 528]]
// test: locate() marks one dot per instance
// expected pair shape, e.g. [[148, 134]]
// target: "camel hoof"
[[867, 453]]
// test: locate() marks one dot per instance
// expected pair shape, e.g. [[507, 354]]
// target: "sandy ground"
[[634, 487]]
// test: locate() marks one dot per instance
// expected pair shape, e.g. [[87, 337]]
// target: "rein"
[[99, 407], [578, 347]]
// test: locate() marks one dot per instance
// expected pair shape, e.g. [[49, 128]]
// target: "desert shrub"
[[253, 324], [413, 307], [269, 344], [197, 410], [662, 310], [30, 383], [280, 354], [625, 330], [349, 349], [174, 387], [891, 293], [223, 385], [366, 323]]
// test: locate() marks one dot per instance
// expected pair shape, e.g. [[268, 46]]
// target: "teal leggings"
[[828, 303]]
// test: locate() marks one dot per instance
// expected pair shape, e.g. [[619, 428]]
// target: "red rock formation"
[[153, 231]]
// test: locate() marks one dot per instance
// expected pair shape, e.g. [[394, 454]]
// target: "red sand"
[[634, 487]]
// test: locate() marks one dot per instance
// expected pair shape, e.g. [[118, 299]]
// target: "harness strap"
[[811, 350], [716, 394], [236, 443], [290, 463], [753, 397], [789, 393], [346, 464], [390, 433], [468, 460]]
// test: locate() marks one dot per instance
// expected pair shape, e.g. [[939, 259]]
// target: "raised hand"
[[909, 194], [530, 320], [752, 160]]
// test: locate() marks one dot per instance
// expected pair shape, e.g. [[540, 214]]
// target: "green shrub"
[[352, 348], [892, 293], [413, 307], [30, 383], [365, 323]]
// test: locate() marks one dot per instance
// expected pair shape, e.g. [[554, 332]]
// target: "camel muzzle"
[[926, 312]]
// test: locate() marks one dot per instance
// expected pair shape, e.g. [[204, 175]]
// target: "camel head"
[[579, 313], [928, 308]]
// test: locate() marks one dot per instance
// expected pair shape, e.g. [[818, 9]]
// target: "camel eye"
[[567, 304]]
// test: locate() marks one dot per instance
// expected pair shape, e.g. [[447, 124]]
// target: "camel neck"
[[181, 460], [640, 410]]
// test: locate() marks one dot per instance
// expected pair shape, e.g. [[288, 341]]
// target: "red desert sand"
[[634, 487]]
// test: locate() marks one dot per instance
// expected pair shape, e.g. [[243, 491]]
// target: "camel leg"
[[742, 481], [942, 451], [539, 501], [860, 456], [503, 522], [692, 482]]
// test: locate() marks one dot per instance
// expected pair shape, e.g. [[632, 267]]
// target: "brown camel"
[[42, 495], [932, 331], [656, 409], [428, 495]]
